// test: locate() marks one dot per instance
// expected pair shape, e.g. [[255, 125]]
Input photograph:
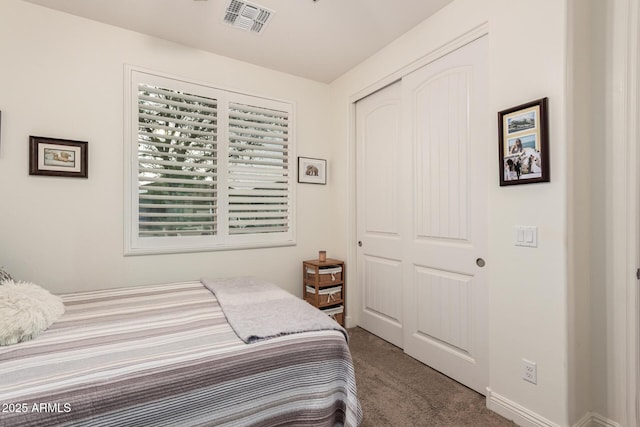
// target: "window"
[[206, 168]]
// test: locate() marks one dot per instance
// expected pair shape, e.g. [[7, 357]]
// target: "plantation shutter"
[[259, 169], [177, 163], [208, 169]]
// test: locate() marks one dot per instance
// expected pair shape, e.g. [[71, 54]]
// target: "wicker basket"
[[339, 318], [326, 275], [336, 313], [325, 296]]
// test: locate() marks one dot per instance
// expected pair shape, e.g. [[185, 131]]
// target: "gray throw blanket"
[[259, 310]]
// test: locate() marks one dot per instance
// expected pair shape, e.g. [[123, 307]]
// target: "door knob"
[[360, 243], [480, 262]]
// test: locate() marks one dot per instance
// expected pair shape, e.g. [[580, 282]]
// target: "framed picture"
[[524, 143], [57, 157], [312, 171]]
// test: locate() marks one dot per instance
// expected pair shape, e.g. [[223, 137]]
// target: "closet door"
[[380, 161], [446, 121]]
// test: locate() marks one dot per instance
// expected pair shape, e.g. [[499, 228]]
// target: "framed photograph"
[[524, 143], [312, 171], [57, 157]]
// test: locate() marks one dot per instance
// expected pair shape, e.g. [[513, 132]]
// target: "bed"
[[165, 355]]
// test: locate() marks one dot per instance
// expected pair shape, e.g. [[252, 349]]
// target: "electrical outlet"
[[529, 371]]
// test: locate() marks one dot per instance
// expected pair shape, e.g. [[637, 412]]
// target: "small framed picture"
[[312, 171], [524, 143], [57, 157]]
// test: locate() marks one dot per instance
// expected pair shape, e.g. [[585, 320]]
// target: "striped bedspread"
[[165, 356]]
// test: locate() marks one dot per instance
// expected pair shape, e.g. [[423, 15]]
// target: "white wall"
[[62, 77], [528, 287], [579, 232], [593, 346], [586, 195]]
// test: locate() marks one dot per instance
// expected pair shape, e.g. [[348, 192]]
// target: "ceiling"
[[319, 40]]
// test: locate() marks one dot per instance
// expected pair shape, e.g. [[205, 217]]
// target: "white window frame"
[[223, 240]]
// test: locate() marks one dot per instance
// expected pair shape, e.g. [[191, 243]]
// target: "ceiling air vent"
[[247, 16]]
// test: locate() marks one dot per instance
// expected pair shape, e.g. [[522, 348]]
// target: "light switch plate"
[[526, 236]]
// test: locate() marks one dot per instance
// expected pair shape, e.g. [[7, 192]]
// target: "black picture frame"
[[523, 134], [58, 157]]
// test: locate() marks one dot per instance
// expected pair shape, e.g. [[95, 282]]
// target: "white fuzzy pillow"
[[26, 310]]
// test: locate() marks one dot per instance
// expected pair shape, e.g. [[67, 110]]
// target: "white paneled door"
[[380, 160], [423, 221]]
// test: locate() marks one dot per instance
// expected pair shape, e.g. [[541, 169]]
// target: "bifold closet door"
[[445, 306]]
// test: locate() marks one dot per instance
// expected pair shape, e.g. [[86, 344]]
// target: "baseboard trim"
[[526, 418], [592, 419], [585, 421], [515, 412], [349, 323]]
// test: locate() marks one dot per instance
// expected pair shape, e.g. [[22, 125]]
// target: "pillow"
[[26, 310], [4, 275]]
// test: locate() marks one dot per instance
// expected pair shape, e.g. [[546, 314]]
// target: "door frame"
[[625, 209], [354, 294], [633, 213]]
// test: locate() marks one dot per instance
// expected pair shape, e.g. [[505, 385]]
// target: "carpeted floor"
[[397, 390]]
